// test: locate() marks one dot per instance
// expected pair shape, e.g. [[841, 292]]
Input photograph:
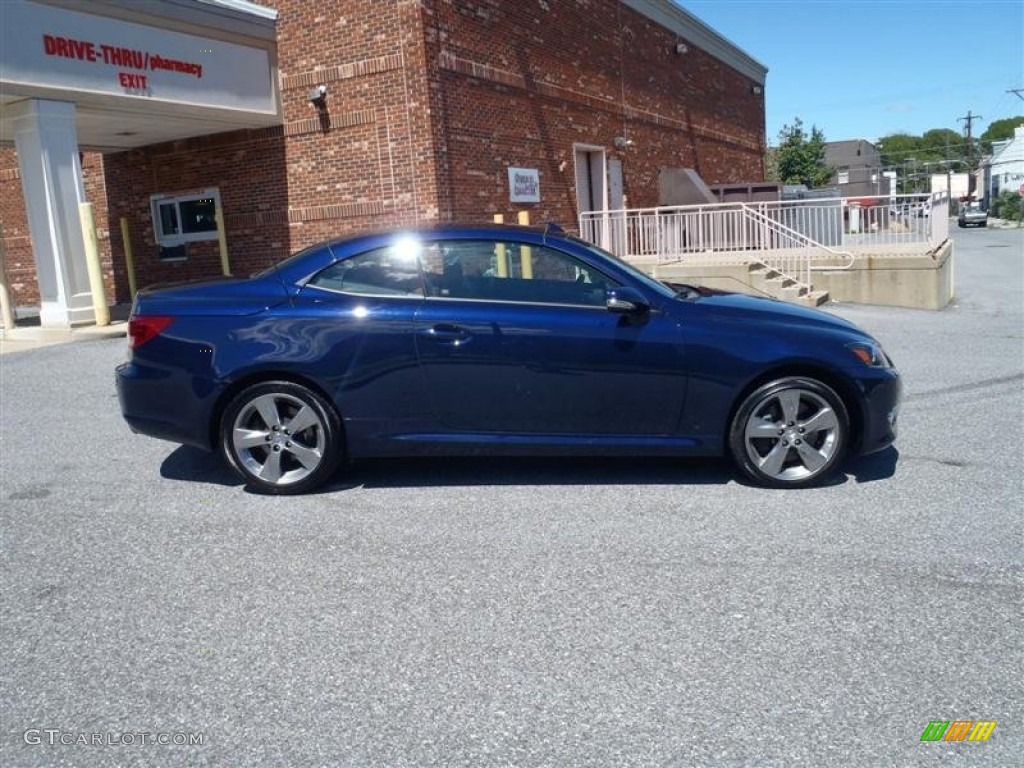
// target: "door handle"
[[446, 333]]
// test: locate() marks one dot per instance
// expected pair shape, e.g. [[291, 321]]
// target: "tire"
[[789, 433], [258, 438]]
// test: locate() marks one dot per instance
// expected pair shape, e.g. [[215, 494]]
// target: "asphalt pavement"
[[523, 612]]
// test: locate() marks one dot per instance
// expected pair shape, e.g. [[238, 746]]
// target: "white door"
[[591, 192]]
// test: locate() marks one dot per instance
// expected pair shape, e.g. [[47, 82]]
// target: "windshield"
[[660, 288]]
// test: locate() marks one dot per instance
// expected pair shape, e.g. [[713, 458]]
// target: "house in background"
[[1005, 169], [858, 169], [956, 184]]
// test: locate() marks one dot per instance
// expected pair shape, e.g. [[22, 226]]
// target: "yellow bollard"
[[92, 260], [222, 241], [500, 255], [523, 217], [129, 259]]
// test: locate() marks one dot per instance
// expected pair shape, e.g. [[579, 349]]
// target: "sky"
[[861, 69]]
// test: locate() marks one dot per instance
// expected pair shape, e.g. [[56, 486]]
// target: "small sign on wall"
[[523, 185]]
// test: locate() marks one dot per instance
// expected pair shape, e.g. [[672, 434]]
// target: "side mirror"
[[624, 300]]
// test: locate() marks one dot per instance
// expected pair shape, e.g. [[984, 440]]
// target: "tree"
[[1007, 206], [897, 147], [801, 157], [904, 153], [998, 130], [916, 158], [771, 164], [940, 142]]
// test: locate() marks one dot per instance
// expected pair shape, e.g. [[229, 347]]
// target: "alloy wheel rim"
[[792, 435], [278, 438]]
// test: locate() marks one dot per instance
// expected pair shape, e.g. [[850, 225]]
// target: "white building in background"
[[1005, 169], [956, 184]]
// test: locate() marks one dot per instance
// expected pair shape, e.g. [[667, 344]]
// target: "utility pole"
[[949, 180], [1018, 91], [969, 118]]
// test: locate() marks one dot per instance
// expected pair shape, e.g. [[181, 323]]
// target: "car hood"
[[739, 307]]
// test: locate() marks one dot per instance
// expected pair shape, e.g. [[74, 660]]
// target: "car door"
[[517, 338], [354, 331]]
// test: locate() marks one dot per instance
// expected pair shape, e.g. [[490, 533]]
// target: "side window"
[[383, 272], [510, 271]]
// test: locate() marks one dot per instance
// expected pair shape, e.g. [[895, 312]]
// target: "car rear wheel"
[[281, 437], [789, 433]]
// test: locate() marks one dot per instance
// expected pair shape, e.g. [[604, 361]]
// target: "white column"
[[51, 179]]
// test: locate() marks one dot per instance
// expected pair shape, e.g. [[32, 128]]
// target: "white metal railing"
[[939, 219], [794, 250], [792, 236]]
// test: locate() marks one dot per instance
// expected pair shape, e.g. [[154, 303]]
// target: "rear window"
[[294, 257], [382, 272]]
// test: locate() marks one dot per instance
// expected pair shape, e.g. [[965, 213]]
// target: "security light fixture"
[[318, 96], [757, 90], [622, 142], [682, 48]]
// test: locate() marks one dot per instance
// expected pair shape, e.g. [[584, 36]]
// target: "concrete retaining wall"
[[899, 278]]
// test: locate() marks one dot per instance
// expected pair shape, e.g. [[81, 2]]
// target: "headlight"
[[870, 354]]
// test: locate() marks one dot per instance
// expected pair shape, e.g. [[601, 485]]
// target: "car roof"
[[460, 230]]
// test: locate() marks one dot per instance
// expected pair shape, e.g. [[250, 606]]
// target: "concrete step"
[[780, 282], [814, 298], [792, 294], [754, 278], [772, 282], [775, 284]]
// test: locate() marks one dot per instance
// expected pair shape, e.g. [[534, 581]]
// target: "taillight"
[[142, 328]]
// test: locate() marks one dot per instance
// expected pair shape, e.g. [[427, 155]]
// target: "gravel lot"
[[525, 613]]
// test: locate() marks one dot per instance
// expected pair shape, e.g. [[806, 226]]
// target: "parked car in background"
[[972, 215], [475, 340]]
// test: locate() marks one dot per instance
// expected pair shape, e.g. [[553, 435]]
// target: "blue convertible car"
[[488, 340]]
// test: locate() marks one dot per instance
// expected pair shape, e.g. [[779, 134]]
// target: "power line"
[[934, 150]]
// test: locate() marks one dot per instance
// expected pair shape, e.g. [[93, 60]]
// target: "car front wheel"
[[281, 437], [789, 433]]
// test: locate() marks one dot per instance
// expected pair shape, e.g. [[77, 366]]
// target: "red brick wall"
[[17, 243], [17, 246], [247, 167], [517, 84], [364, 163], [96, 193]]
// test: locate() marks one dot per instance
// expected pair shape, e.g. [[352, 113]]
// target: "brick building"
[[858, 169], [426, 106]]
